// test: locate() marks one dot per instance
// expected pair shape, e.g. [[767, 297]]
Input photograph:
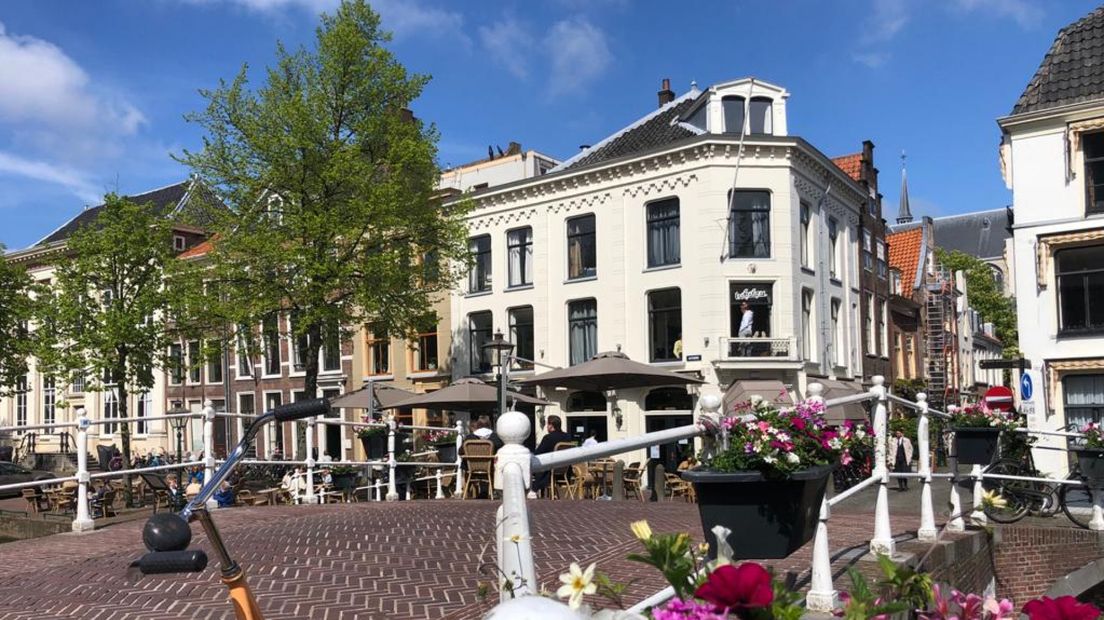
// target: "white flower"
[[769, 459], [860, 433], [835, 443], [793, 457], [577, 582]]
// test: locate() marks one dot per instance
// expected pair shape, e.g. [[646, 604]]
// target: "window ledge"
[[520, 287], [807, 271], [668, 364], [425, 374], [1080, 333], [374, 378], [479, 293], [280, 376], [662, 267], [582, 279], [746, 258], [835, 280]]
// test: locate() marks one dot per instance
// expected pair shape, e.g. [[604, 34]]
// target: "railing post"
[[957, 523], [459, 490], [379, 490], [83, 521], [1097, 521], [440, 489], [927, 531], [822, 595], [392, 489], [882, 543], [209, 447], [977, 515], [310, 497], [515, 552]]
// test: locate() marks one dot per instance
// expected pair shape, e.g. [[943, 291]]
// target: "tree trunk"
[[314, 345], [124, 429]]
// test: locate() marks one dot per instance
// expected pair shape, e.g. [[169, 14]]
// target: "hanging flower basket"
[[446, 452], [769, 518], [1091, 462], [344, 481], [375, 445], [976, 446]]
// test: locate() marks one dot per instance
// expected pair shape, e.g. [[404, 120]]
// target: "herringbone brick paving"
[[401, 560]]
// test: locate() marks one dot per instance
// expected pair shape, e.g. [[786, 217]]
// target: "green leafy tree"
[[15, 315], [106, 314], [985, 296], [330, 185]]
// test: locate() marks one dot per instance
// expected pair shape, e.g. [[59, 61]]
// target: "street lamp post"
[[501, 348], [178, 424]]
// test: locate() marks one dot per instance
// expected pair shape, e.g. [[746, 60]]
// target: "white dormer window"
[[698, 118], [733, 107], [760, 116], [178, 243]]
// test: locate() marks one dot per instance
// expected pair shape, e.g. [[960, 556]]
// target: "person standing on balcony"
[[900, 447], [747, 320]]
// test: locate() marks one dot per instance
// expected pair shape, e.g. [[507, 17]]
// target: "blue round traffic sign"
[[1027, 387]]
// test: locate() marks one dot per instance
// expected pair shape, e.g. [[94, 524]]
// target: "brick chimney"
[[666, 95]]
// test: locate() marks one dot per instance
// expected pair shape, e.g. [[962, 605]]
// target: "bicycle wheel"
[[1076, 502], [1015, 493]]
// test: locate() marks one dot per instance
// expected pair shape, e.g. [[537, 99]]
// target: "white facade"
[[809, 325], [1043, 161], [505, 168]]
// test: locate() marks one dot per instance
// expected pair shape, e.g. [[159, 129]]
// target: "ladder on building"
[[940, 322]]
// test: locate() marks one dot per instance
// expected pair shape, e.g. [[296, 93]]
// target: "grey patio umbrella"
[[386, 396], [611, 370], [468, 394]]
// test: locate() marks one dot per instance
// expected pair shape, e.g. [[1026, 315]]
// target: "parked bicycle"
[[167, 535]]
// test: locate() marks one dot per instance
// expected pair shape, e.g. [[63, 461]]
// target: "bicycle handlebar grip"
[[301, 409], [159, 562]]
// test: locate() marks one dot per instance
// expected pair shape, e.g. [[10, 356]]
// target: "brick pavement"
[[370, 560]]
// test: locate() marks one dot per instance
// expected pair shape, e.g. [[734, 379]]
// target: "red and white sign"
[[999, 398]]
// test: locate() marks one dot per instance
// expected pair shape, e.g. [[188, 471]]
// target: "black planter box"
[[769, 518], [446, 452], [1091, 462], [976, 446], [344, 482], [375, 446]]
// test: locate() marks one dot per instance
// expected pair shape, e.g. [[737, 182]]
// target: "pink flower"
[[678, 609], [999, 611], [845, 458], [1061, 608], [747, 586]]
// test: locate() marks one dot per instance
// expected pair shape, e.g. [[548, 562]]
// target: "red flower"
[[746, 586], [1061, 608]]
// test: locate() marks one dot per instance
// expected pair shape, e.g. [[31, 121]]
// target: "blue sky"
[[92, 94]]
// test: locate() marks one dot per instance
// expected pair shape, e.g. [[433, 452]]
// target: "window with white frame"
[[245, 364], [663, 233], [195, 362], [882, 266], [761, 116], [522, 334], [665, 325], [733, 107], [1080, 276], [868, 250], [837, 333], [76, 382], [247, 403], [1083, 399], [214, 366], [145, 409], [808, 348], [582, 249], [270, 335], [176, 364], [479, 333], [425, 355], [519, 251], [833, 247], [21, 401], [379, 351], [1093, 151], [479, 276], [49, 400], [582, 330], [806, 218], [749, 224], [883, 326], [331, 349], [110, 410], [869, 336], [179, 243]]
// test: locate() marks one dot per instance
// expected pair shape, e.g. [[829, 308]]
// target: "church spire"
[[904, 215]]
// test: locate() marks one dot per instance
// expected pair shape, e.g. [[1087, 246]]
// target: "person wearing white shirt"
[[747, 320], [592, 439]]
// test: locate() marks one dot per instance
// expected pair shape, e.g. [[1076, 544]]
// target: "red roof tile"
[[196, 250], [904, 255], [850, 164]]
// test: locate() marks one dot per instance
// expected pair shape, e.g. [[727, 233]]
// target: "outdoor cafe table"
[[601, 470]]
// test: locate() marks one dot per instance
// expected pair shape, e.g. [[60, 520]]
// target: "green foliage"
[[16, 312], [985, 296], [905, 424], [672, 555], [909, 388], [330, 186], [866, 601]]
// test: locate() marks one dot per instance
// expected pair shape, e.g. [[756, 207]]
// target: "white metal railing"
[[83, 521], [781, 349]]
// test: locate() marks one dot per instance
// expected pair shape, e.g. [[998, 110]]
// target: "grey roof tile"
[[980, 234], [651, 131], [162, 200], [1072, 71]]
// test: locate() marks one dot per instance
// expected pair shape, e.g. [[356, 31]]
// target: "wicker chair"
[[563, 476], [478, 455], [37, 499], [631, 477]]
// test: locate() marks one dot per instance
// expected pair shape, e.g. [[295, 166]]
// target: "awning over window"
[[855, 412], [772, 391]]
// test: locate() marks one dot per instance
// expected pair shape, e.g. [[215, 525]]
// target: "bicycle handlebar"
[[160, 562], [302, 409]]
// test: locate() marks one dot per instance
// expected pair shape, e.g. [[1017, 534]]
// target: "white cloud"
[[72, 180], [41, 86], [871, 59], [579, 54], [1025, 13], [887, 18], [509, 43]]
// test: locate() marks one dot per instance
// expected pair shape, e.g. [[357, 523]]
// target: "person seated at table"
[[224, 495], [554, 435], [483, 429], [327, 477], [175, 493], [592, 438], [295, 483]]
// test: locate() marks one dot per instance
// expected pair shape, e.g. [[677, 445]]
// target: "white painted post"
[[83, 521], [459, 491], [822, 594], [440, 489], [927, 531], [978, 514], [379, 489], [209, 447], [514, 543], [392, 490], [882, 543], [1097, 521], [310, 497]]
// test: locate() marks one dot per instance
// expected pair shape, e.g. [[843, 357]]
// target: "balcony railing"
[[776, 349]]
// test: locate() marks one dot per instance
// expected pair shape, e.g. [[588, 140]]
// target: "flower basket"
[[976, 445], [1091, 462], [446, 452], [344, 481], [769, 518], [375, 446]]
